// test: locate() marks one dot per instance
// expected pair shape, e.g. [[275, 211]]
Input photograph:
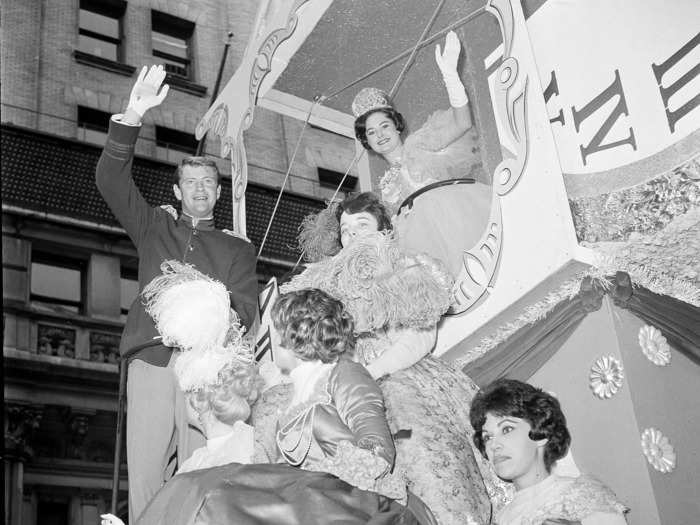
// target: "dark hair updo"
[[508, 397], [313, 325], [361, 124]]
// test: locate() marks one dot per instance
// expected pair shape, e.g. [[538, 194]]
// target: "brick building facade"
[[68, 267]]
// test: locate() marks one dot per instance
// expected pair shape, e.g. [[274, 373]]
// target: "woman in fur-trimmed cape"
[[396, 299]]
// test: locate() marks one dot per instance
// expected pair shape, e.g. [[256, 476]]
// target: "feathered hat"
[[193, 312], [319, 234]]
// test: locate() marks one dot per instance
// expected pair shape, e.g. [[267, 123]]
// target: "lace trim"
[[363, 469], [295, 436], [584, 497]]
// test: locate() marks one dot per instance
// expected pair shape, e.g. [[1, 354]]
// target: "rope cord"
[[405, 52], [286, 176], [401, 75]]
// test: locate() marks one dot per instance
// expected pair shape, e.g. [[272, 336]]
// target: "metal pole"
[[123, 366], [215, 93]]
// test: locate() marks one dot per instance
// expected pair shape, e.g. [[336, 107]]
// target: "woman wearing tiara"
[[453, 214], [396, 300]]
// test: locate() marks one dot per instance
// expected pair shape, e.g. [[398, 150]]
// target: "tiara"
[[369, 99]]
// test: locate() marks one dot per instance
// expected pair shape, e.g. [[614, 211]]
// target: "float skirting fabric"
[[268, 495]]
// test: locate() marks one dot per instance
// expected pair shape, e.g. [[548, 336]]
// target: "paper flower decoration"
[[606, 377], [658, 450], [654, 345]]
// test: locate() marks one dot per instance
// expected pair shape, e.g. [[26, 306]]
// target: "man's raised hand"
[[145, 94]]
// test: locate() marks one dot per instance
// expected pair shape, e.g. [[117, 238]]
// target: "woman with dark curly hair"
[[522, 431], [336, 420]]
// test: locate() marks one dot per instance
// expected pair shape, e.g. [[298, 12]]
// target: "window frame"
[[48, 258], [81, 122], [130, 273], [188, 151], [114, 9], [177, 28]]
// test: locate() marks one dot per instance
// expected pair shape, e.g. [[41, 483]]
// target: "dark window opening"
[[171, 41], [52, 513], [92, 125], [331, 179], [173, 145], [100, 28]]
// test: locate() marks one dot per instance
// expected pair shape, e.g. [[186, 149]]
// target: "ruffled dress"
[[564, 500], [447, 220], [396, 299]]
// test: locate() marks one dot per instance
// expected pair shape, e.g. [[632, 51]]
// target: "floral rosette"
[[658, 450], [654, 345]]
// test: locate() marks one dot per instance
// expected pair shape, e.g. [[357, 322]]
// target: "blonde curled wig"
[[230, 398], [313, 325]]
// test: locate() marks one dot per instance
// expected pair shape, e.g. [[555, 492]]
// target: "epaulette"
[[172, 211], [236, 234]]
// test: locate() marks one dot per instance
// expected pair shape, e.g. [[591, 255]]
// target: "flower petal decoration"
[[658, 450], [606, 377], [654, 345]]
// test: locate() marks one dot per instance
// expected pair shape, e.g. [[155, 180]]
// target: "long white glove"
[[447, 62], [144, 94]]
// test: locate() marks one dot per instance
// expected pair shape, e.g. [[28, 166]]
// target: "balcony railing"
[[71, 337]]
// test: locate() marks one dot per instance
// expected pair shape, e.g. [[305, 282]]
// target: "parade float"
[[586, 280]]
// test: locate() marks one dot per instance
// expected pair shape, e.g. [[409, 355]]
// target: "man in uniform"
[[156, 419]]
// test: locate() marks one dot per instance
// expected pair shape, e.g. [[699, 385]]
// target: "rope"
[[286, 176], [335, 194], [399, 78], [405, 52]]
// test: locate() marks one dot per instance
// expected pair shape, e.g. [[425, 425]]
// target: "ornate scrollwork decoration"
[[219, 120], [480, 262], [21, 423]]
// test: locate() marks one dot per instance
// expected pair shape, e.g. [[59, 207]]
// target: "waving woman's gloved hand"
[[447, 62]]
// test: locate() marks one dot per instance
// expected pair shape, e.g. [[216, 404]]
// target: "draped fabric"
[[268, 495], [679, 322], [522, 354]]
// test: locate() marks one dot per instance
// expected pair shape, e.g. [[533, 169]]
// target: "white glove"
[[110, 519], [144, 94], [447, 62]]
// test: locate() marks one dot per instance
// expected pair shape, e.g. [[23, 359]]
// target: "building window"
[[52, 513], [99, 28], [173, 145], [129, 284], [331, 179], [93, 125], [57, 282], [171, 41]]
